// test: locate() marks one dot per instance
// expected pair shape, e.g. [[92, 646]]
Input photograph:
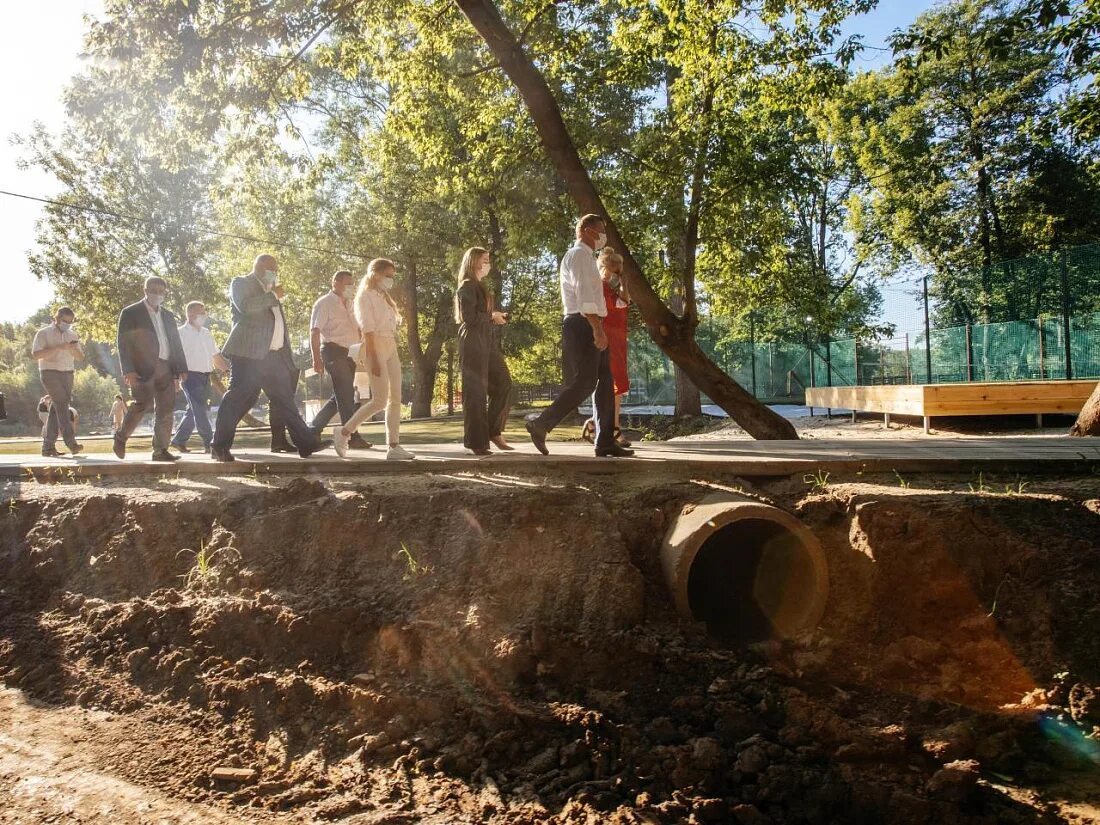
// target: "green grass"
[[438, 430]]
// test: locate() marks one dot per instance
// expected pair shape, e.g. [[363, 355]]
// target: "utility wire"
[[198, 230]]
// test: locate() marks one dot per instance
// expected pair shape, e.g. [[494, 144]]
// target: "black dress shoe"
[[183, 448], [315, 447], [119, 448], [357, 442], [614, 451], [76, 449], [480, 450], [50, 453], [164, 455], [218, 454], [538, 435], [283, 448]]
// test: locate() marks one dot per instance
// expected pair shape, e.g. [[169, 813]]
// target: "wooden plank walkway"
[[740, 457], [928, 401]]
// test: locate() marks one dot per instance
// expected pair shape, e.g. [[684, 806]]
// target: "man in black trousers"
[[258, 348], [584, 344], [153, 362]]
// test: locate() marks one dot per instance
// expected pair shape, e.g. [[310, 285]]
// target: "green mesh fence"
[[1029, 297]]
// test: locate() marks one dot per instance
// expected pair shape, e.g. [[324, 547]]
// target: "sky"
[[36, 72]]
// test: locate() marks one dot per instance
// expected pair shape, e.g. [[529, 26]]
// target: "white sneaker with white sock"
[[399, 453], [340, 443]]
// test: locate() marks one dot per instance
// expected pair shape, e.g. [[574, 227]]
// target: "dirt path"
[[53, 769]]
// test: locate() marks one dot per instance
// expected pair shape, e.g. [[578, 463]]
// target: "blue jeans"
[[196, 389]]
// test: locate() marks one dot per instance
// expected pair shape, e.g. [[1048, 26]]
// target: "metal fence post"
[[1065, 317], [927, 336], [908, 362], [969, 356], [752, 350], [1042, 356]]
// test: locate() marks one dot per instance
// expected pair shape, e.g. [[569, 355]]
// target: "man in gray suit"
[[258, 348]]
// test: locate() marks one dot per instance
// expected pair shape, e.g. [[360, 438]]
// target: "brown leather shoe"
[[500, 443]]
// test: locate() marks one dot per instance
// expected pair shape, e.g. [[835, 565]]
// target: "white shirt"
[[199, 348], [158, 325], [51, 336], [374, 313], [581, 287], [334, 319], [278, 333]]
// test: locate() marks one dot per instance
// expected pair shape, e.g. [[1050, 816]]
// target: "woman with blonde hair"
[[610, 264], [486, 382], [378, 320]]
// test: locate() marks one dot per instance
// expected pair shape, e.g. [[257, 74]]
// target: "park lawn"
[[438, 430]]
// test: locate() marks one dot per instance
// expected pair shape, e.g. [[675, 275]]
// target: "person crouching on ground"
[[153, 363], [378, 319], [485, 376], [617, 299]]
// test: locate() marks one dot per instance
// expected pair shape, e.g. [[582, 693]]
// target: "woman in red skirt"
[[618, 305]]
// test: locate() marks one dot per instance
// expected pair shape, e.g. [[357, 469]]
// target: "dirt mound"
[[493, 650]]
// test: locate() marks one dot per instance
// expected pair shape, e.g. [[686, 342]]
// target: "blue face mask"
[[270, 277]]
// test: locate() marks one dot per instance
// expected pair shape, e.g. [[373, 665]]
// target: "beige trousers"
[[385, 390]]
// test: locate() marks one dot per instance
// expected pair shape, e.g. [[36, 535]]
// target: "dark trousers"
[[157, 393], [246, 378], [276, 422], [59, 385], [196, 389], [341, 369], [485, 378], [590, 370]]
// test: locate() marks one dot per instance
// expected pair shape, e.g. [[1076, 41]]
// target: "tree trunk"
[[675, 336], [425, 360], [1088, 422]]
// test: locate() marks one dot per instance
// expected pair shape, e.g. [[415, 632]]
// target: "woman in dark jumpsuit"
[[486, 382]]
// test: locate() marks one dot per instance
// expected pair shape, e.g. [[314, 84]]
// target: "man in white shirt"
[[584, 344], [202, 357], [56, 348], [332, 332]]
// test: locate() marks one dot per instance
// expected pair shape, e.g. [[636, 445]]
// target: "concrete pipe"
[[750, 571]]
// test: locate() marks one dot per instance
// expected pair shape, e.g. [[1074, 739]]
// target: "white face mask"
[[348, 293], [154, 300], [200, 320], [483, 270], [64, 326], [601, 241], [386, 284], [270, 277]]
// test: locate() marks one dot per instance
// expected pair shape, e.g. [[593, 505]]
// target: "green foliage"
[[818, 482]]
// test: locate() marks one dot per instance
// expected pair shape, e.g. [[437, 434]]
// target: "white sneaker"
[[399, 453], [340, 443]]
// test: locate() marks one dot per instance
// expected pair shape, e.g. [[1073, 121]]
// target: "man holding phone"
[[56, 348]]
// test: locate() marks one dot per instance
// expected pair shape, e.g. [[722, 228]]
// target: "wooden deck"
[[931, 400]]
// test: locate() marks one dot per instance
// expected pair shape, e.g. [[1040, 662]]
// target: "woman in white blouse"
[[378, 318]]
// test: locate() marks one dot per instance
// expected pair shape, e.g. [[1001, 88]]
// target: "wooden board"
[[1008, 398]]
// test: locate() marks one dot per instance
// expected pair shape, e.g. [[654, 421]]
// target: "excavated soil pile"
[[490, 649]]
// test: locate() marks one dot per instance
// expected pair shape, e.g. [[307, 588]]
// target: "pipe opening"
[[753, 580]]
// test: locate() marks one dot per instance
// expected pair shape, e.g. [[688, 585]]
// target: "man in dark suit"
[[152, 360], [258, 347]]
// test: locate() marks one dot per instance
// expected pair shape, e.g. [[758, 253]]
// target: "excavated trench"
[[508, 649]]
